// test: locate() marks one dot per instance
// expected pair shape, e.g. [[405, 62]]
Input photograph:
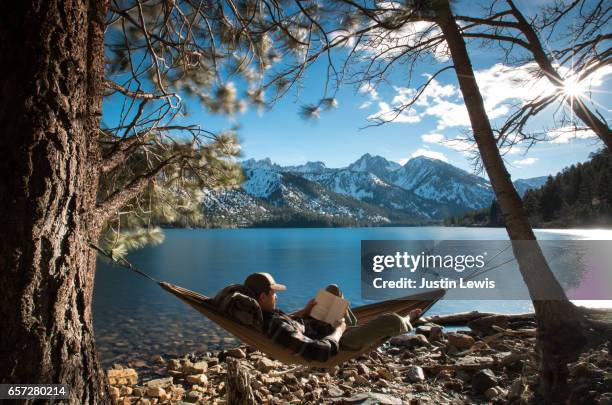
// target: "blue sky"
[[338, 137]]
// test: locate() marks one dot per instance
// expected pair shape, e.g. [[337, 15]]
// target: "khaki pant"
[[377, 330]]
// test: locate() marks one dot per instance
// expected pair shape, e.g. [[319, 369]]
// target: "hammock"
[[252, 337], [261, 342]]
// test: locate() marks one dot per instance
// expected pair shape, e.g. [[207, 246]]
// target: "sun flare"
[[572, 87]]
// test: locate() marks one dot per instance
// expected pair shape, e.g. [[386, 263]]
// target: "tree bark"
[[576, 104], [238, 388], [52, 69], [559, 334]]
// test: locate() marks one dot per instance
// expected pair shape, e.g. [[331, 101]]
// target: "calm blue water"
[[134, 318]]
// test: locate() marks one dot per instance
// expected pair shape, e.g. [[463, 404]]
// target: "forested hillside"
[[580, 195]]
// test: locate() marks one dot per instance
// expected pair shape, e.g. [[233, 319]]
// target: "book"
[[329, 307]]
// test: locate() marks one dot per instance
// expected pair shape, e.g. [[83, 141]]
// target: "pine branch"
[[120, 197]]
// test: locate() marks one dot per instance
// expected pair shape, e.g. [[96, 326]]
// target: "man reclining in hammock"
[[314, 339]]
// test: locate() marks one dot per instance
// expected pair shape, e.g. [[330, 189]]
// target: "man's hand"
[[340, 327], [340, 324], [306, 310], [309, 306]]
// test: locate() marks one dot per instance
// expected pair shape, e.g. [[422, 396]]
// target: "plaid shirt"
[[289, 333]]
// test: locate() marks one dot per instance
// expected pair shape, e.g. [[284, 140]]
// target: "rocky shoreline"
[[493, 362]]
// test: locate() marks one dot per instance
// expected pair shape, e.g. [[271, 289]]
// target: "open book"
[[329, 307]]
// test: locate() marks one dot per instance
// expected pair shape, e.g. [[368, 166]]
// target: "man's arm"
[[285, 334]]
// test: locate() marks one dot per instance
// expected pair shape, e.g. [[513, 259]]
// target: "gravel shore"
[[429, 367]]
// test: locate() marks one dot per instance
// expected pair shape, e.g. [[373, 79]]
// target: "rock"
[[394, 351], [485, 324], [435, 334], [156, 392], [264, 365], [199, 379], [415, 374], [125, 376], [334, 391], [361, 380], [114, 392], [200, 367], [194, 396], [349, 373], [363, 369], [384, 373], [482, 380], [492, 392], [158, 359], [587, 371], [117, 367], [372, 398], [516, 389], [236, 352], [419, 387], [410, 341], [460, 340], [126, 391], [605, 399], [138, 364], [159, 382], [174, 365]]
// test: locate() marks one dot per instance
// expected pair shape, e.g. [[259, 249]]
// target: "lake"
[[135, 319]]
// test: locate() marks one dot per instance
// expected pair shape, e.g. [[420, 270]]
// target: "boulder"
[[410, 341], [264, 365], [156, 392], [415, 374], [495, 392], [159, 382], [460, 340], [236, 352], [198, 379], [482, 380]]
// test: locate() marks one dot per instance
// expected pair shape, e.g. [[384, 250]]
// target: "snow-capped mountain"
[[442, 182], [523, 185], [372, 190], [376, 165]]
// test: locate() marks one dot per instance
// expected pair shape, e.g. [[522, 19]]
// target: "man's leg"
[[383, 327]]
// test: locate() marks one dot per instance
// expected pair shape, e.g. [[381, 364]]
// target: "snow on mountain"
[[309, 167], [437, 180], [262, 182], [523, 185], [372, 190], [376, 165]]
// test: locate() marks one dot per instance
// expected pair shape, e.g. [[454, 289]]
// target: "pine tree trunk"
[[52, 70], [559, 335]]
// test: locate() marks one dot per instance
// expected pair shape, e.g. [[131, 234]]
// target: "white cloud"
[[429, 153], [370, 90], [388, 44], [501, 87], [433, 138], [525, 162], [365, 105], [566, 134], [387, 113]]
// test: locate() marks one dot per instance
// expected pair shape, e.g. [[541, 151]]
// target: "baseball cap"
[[262, 283]]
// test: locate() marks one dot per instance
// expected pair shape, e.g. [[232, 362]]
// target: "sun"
[[572, 87]]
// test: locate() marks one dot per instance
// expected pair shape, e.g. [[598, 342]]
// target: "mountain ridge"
[[370, 191]]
